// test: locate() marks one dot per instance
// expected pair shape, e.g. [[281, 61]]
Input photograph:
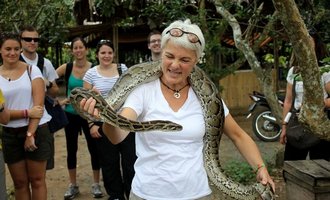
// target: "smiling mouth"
[[174, 73]]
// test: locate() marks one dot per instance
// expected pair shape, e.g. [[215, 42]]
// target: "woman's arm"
[[38, 96], [248, 149], [61, 70], [34, 112], [93, 127], [286, 108]]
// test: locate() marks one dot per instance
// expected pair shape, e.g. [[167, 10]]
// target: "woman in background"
[[74, 73], [322, 149], [26, 138], [115, 159]]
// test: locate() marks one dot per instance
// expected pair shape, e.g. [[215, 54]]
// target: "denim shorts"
[[13, 140]]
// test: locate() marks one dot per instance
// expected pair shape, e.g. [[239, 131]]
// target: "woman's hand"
[[89, 106], [94, 130], [64, 101], [29, 144], [283, 135], [264, 178], [36, 112]]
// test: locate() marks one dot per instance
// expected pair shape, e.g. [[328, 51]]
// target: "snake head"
[[266, 192]]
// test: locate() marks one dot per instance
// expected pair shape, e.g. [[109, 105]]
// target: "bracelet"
[[259, 166], [284, 124], [25, 114]]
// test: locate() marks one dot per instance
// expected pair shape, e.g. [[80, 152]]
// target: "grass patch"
[[242, 172]]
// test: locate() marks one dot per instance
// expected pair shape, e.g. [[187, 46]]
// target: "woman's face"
[[79, 51], [10, 51], [177, 63], [105, 55]]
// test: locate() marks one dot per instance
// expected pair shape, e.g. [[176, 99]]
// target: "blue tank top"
[[73, 83]]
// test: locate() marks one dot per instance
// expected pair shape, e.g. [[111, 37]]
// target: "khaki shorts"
[[13, 144]]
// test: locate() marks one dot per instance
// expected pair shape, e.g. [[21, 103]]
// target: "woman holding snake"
[[171, 165]]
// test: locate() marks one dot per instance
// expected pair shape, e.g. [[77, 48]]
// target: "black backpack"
[[40, 62]]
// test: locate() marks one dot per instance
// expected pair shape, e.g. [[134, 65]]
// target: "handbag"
[[297, 135], [59, 119]]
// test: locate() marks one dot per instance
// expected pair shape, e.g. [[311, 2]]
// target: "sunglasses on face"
[[192, 37], [29, 39]]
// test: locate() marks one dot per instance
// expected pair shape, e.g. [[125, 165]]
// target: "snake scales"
[[213, 114]]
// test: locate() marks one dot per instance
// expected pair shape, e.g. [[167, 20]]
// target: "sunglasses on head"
[[104, 42], [29, 39], [192, 37]]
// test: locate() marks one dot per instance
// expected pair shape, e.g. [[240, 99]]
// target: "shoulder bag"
[[298, 135]]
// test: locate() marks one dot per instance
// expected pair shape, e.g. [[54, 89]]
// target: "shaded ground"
[[57, 179]]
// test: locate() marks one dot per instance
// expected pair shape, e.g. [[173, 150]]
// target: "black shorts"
[[13, 140]]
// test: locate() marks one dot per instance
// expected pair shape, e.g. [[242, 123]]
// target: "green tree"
[[51, 18]]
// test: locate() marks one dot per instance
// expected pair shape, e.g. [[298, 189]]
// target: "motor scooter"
[[264, 122]]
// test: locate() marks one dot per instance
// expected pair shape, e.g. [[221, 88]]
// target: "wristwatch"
[[29, 134], [2, 108]]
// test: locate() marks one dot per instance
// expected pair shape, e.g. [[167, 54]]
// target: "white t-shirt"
[[169, 165], [103, 84], [299, 89], [19, 96], [48, 71]]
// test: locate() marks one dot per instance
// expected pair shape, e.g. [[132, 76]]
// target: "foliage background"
[[53, 18]]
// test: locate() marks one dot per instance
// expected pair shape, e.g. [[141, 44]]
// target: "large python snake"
[[212, 106]]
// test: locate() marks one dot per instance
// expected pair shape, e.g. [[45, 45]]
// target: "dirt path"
[[57, 179]]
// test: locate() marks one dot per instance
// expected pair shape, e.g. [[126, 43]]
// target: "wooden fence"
[[236, 89]]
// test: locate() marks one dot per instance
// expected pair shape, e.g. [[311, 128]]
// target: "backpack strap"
[[40, 62], [67, 74], [120, 71], [29, 69], [21, 58]]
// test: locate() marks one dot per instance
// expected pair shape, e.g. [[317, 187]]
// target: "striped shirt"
[[102, 83]]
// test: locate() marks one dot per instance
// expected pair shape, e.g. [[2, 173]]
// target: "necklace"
[[176, 94], [7, 75]]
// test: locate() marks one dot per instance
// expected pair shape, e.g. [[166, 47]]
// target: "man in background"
[[154, 39], [30, 41]]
